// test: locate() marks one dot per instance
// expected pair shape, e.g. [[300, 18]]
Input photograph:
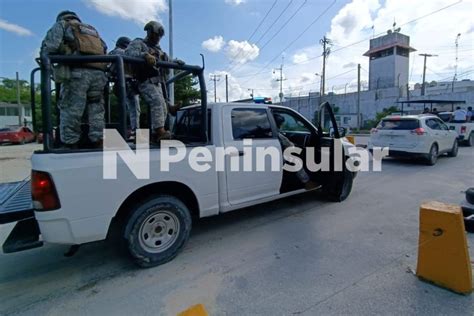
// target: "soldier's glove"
[[150, 60], [179, 62]]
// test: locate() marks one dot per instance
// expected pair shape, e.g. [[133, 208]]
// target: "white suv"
[[425, 136]]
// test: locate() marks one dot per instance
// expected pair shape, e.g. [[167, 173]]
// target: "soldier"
[[150, 78], [81, 84], [132, 101]]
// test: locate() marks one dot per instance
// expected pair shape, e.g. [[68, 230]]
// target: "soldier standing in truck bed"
[[132, 100], [150, 78], [82, 84]]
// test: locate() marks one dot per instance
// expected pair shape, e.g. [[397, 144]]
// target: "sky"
[[249, 40]]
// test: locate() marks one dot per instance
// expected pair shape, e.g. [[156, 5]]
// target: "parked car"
[[16, 135], [425, 136], [465, 130]]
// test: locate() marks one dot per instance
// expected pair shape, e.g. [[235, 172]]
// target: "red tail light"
[[373, 131], [43, 192], [463, 129], [418, 131]]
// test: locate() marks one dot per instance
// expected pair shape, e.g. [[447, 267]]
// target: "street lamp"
[[320, 81]]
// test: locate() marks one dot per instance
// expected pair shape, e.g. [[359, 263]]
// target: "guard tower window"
[[402, 51], [382, 53]]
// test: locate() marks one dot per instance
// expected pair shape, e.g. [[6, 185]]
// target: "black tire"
[[470, 195], [432, 156], [157, 230], [454, 150], [470, 141]]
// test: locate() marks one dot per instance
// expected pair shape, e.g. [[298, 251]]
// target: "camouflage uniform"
[[150, 80], [131, 99], [80, 88]]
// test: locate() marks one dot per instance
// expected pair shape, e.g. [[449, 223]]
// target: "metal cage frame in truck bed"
[[46, 63]]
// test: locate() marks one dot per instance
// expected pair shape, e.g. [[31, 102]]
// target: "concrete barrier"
[[443, 257]]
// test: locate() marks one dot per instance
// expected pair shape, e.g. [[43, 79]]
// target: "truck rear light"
[[418, 131], [43, 192], [463, 129]]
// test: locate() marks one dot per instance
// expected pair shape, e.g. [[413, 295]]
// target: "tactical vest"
[[87, 41], [144, 72]]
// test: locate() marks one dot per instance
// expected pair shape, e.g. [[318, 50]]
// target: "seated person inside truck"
[[285, 143]]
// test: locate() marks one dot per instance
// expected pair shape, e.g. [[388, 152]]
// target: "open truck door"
[[337, 182]]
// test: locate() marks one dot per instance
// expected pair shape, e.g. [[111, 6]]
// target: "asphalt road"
[[299, 255]]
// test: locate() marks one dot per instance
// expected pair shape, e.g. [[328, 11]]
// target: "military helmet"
[[67, 14], [123, 42], [155, 27]]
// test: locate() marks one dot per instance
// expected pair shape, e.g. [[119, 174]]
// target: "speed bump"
[[443, 257], [196, 310]]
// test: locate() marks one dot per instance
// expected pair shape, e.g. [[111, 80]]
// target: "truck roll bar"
[[46, 77]]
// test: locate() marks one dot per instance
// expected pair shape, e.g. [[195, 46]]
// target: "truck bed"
[[15, 201]]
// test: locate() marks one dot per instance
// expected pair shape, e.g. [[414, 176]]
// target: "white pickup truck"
[[465, 130], [75, 203]]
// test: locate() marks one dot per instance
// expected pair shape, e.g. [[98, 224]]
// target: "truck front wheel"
[[157, 230]]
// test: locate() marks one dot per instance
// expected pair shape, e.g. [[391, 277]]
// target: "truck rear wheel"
[[157, 230]]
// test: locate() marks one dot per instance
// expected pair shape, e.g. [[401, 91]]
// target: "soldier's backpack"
[[87, 40]]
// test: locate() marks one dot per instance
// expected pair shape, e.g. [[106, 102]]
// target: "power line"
[[381, 33], [256, 29], [263, 20], [294, 40], [284, 24], [235, 64]]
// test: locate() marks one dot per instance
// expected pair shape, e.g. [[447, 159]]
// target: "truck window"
[[188, 125], [289, 123], [251, 123]]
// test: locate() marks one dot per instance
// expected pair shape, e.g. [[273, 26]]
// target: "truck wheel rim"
[[159, 231]]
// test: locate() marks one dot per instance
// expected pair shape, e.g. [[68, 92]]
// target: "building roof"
[[378, 49]]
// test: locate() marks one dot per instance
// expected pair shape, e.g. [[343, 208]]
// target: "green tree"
[[379, 116], [185, 91]]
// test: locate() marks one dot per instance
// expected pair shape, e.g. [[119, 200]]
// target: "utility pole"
[[281, 80], [215, 78], [226, 89], [456, 65], [170, 26], [326, 42], [18, 101], [358, 97], [251, 90], [423, 86]]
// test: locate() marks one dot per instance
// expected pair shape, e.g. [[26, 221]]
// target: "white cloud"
[[235, 2], [214, 44], [300, 58], [135, 10], [14, 28], [241, 52]]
